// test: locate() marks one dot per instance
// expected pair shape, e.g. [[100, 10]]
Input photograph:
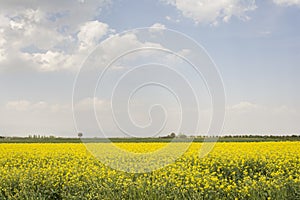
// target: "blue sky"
[[254, 44]]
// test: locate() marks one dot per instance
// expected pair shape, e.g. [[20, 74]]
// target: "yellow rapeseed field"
[[262, 170]]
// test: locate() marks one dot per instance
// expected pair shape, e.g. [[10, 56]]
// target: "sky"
[[53, 52]]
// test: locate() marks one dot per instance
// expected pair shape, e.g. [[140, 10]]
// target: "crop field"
[[232, 170]]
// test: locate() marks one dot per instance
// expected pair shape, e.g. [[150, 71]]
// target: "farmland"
[[241, 138], [232, 170]]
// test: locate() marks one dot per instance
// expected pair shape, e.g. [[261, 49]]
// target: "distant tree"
[[80, 135], [172, 135]]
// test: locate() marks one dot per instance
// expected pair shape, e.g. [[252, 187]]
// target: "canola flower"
[[262, 170]]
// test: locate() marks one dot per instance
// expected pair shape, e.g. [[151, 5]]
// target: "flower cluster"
[[257, 170]]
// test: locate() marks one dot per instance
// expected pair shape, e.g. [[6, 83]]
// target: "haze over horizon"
[[255, 46]]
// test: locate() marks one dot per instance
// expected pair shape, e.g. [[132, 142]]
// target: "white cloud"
[[287, 2], [48, 36], [24, 117], [2, 55], [171, 19], [2, 46], [49, 61], [51, 57], [22, 105], [175, 59], [40, 106], [88, 103], [117, 45], [90, 34], [158, 26], [31, 27], [244, 106], [213, 11], [4, 21], [251, 118]]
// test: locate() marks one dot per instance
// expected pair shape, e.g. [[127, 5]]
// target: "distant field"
[[88, 140], [232, 170]]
